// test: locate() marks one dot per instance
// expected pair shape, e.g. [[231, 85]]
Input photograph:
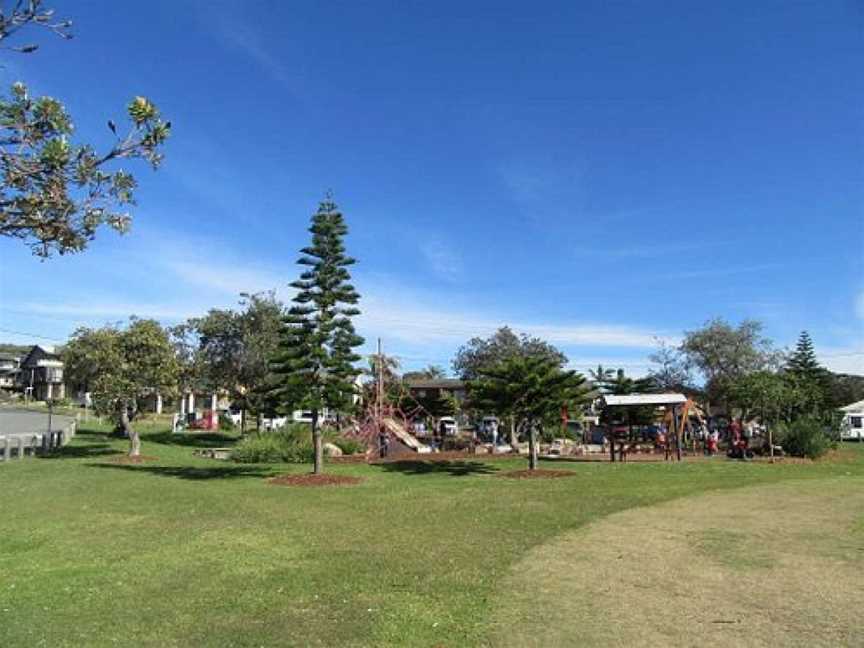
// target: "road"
[[19, 422]]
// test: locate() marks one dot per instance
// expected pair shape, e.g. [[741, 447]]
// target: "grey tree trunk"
[[514, 442], [134, 438], [532, 447], [318, 467]]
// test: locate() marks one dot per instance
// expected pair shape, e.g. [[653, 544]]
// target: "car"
[[447, 426], [488, 425], [274, 423], [234, 414]]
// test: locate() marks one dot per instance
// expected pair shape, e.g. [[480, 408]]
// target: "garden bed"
[[314, 480], [539, 473]]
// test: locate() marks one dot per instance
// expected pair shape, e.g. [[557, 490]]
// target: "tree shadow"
[[456, 468], [81, 451], [191, 439], [89, 434], [194, 473]]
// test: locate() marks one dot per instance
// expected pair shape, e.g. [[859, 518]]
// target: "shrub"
[[225, 422], [349, 445], [456, 443], [807, 437], [284, 445]]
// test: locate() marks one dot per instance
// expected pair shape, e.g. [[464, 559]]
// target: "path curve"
[[779, 565]]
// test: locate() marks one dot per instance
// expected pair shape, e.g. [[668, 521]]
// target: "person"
[[713, 442], [735, 432], [493, 425], [383, 443]]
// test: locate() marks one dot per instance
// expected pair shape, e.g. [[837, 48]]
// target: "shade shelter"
[[672, 402]]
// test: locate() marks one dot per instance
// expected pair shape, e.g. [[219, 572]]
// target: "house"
[[8, 371], [40, 375], [852, 426], [433, 388]]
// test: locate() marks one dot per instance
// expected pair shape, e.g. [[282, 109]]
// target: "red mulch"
[[347, 459], [449, 455], [314, 480], [126, 459], [539, 473]]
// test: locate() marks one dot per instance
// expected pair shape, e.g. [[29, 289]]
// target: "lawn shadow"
[[191, 439], [457, 468], [194, 473], [89, 434], [82, 451]]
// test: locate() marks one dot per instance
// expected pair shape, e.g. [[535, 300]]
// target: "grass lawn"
[[187, 552]]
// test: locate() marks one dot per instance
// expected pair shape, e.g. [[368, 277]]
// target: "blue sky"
[[600, 174]]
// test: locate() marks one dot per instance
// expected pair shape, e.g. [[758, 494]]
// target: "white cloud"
[[848, 359], [226, 278], [396, 312], [90, 311], [232, 26], [443, 258]]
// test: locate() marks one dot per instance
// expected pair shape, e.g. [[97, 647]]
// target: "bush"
[[456, 443], [287, 445], [807, 437], [226, 424], [349, 445]]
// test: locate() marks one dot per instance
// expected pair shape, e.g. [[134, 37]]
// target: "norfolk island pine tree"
[[314, 367]]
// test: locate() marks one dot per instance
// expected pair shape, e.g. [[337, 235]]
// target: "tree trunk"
[[318, 467], [532, 448], [770, 443], [514, 441], [134, 439]]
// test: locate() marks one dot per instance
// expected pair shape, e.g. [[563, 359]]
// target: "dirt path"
[[780, 565]]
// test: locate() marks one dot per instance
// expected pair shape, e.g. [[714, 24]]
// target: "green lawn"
[[187, 552]]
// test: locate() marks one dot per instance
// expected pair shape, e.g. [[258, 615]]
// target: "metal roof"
[[854, 407], [644, 399]]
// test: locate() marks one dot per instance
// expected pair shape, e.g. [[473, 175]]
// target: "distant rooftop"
[[435, 383], [645, 399]]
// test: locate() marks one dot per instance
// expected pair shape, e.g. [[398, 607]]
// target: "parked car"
[[489, 424], [234, 414], [418, 428], [447, 426], [274, 423]]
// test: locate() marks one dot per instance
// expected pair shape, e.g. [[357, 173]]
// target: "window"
[[856, 421]]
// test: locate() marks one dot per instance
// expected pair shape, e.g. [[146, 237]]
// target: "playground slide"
[[398, 430]]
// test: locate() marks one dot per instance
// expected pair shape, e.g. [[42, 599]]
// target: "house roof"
[[644, 399], [854, 407], [436, 383], [46, 353]]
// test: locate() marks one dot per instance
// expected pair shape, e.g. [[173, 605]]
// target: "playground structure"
[[387, 419], [382, 419], [681, 426], [673, 443]]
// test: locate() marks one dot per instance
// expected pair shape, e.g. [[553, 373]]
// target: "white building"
[[852, 426]]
